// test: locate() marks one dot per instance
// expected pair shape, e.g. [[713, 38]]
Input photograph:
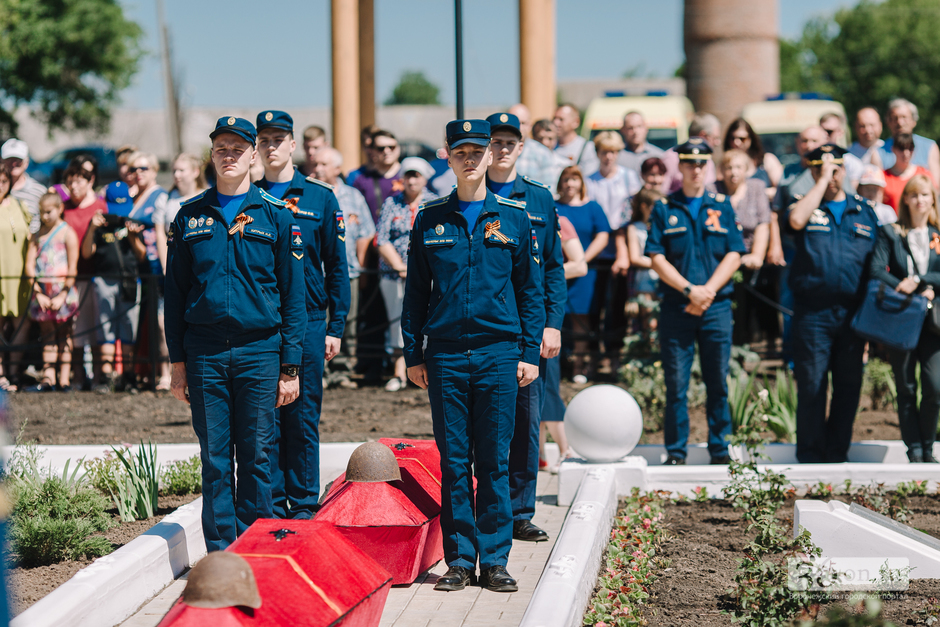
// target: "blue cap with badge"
[[118, 198], [275, 119], [695, 150], [827, 152], [468, 132], [237, 126], [504, 122]]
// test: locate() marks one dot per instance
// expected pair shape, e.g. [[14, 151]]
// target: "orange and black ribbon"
[[935, 243], [712, 221], [241, 221], [292, 204], [492, 228]]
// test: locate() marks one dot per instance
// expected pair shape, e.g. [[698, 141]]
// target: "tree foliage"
[[414, 89], [67, 59], [869, 54]]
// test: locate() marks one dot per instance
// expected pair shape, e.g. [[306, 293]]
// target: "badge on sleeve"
[[535, 248], [296, 242], [340, 225]]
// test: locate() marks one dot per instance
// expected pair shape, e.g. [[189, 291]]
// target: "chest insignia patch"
[[492, 228], [819, 217], [713, 219], [210, 221], [201, 221], [673, 220], [241, 221], [439, 229], [192, 223]]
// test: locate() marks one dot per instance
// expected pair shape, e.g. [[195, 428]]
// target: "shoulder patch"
[[194, 198], [320, 183], [510, 203], [434, 203], [272, 199], [536, 183], [865, 201]]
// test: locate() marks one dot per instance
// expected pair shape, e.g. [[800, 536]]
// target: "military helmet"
[[372, 462], [221, 579]]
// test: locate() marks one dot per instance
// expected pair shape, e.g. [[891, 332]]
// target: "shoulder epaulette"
[[720, 197], [272, 199], [194, 198], [321, 183], [434, 203], [534, 182], [510, 203], [865, 201]]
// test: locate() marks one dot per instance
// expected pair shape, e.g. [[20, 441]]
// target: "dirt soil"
[[368, 413], [28, 585], [706, 540]]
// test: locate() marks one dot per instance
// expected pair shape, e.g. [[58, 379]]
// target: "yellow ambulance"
[[779, 119], [666, 116]]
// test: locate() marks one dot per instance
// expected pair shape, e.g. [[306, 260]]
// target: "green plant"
[[781, 406], [701, 494], [137, 493], [183, 476], [741, 400], [927, 615], [105, 472], [821, 490], [878, 383], [912, 488], [876, 498], [870, 616]]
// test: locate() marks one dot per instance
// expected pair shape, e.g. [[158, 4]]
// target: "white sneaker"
[[395, 385], [580, 379]]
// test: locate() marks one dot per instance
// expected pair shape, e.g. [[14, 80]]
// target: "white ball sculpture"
[[603, 423]]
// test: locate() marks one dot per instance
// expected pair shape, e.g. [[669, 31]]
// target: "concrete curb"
[[113, 587], [566, 583]]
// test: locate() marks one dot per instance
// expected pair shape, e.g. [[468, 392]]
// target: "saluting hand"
[[419, 375], [526, 374], [288, 389]]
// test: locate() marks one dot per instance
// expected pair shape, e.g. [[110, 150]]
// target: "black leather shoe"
[[929, 458], [915, 458], [496, 578], [526, 530], [672, 460], [721, 460], [456, 578]]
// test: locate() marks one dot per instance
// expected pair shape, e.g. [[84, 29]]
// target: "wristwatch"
[[687, 290], [289, 370]]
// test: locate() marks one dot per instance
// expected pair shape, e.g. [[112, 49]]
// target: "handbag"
[[890, 317]]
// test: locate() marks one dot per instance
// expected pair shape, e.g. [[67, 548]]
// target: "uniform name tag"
[[265, 234], [196, 233], [302, 213], [440, 241], [678, 229], [818, 227], [537, 218]]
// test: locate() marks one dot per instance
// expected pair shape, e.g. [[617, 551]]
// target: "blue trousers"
[[295, 456], [823, 341], [473, 400], [524, 448], [553, 407], [678, 333], [232, 395]]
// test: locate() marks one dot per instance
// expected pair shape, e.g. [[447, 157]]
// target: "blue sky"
[[277, 53]]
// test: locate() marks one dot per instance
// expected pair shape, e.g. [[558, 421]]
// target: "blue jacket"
[[236, 289], [540, 205], [695, 248], [831, 262], [468, 289], [321, 223]]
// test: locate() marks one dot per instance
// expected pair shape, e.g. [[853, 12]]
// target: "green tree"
[[414, 88], [869, 54], [67, 59]]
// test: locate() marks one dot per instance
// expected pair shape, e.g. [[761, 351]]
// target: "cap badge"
[[268, 116], [467, 126], [439, 229], [504, 118], [230, 121], [209, 221], [201, 221], [828, 157], [673, 220], [192, 223]]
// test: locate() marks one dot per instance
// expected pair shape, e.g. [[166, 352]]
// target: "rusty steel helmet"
[[221, 579], [372, 462]]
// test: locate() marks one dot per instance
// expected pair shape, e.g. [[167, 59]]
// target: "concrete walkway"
[[418, 605]]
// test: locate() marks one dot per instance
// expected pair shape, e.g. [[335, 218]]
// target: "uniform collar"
[[490, 205], [518, 186], [252, 199]]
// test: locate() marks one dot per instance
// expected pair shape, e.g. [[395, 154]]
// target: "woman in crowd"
[[752, 211], [14, 292], [51, 266], [761, 165], [644, 282], [188, 181], [593, 230], [653, 173], [898, 175], [906, 258], [392, 237]]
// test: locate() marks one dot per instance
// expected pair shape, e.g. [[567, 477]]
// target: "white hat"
[[417, 164], [14, 149], [872, 175]]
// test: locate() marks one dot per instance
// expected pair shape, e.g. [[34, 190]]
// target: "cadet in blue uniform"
[[474, 291], [834, 234], [234, 329], [506, 143], [695, 246], [295, 457]]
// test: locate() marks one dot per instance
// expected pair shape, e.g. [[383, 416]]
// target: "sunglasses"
[[384, 148], [142, 168]]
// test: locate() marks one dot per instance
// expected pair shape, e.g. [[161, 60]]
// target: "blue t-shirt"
[[471, 211], [230, 205], [694, 205], [588, 220], [276, 189], [837, 208], [501, 189]]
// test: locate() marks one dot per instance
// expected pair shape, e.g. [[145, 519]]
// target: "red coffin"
[[397, 523], [423, 452], [308, 574]]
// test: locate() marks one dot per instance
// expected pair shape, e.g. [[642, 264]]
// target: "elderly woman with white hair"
[[901, 118], [393, 234]]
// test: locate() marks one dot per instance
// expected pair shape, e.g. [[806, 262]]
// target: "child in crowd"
[[872, 187], [644, 282], [51, 264]]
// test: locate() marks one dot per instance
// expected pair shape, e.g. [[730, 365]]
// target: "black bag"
[[890, 317]]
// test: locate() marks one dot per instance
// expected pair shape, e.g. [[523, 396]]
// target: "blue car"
[[49, 172]]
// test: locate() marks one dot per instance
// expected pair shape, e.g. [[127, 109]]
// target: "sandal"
[[6, 386]]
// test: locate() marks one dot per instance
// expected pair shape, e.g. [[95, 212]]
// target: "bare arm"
[[755, 258], [392, 258], [637, 258], [88, 244], [598, 244], [775, 246], [576, 266], [71, 250], [774, 168], [622, 260], [160, 232], [723, 272], [933, 164], [362, 247]]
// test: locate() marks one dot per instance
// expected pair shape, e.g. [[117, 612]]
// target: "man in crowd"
[[577, 150], [902, 118], [314, 141], [295, 456], [15, 153], [834, 234], [359, 233], [483, 343], [834, 125], [234, 329], [704, 126], [507, 143], [537, 161], [868, 142], [638, 150]]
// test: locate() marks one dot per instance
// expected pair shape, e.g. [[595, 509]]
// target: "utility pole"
[[172, 97], [458, 38]]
